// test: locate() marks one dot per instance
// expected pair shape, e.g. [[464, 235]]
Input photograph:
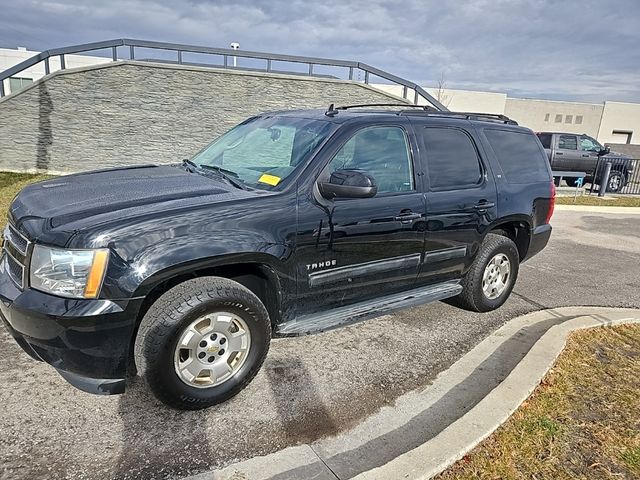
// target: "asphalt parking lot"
[[309, 387]]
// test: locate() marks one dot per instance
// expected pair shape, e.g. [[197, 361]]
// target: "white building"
[[609, 122], [10, 57]]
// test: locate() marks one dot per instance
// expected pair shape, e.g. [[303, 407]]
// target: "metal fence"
[[351, 68], [624, 175]]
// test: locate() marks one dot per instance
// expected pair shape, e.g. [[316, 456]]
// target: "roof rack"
[[466, 115], [425, 110], [404, 105]]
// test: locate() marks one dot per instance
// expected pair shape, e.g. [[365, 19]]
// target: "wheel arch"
[[518, 229]]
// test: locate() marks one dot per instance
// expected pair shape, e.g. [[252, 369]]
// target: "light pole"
[[235, 46]]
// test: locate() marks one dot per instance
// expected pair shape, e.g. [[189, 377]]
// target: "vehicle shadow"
[[158, 441], [303, 415]]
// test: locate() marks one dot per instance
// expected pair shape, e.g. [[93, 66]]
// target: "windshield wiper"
[[229, 175], [189, 165]]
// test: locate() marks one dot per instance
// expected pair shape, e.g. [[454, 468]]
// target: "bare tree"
[[441, 89]]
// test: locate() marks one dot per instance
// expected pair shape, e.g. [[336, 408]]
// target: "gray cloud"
[[579, 50]]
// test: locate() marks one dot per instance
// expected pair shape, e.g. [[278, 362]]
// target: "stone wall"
[[136, 112]]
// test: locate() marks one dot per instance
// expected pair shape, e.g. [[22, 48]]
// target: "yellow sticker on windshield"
[[269, 179]]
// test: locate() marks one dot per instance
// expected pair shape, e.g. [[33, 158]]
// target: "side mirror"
[[348, 184], [605, 151]]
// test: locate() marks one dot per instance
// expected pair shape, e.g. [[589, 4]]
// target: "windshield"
[[263, 151]]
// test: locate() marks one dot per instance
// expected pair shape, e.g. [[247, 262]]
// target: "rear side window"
[[519, 155], [545, 139], [568, 142], [452, 158]]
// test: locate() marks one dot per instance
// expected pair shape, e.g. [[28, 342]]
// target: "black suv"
[[291, 223]]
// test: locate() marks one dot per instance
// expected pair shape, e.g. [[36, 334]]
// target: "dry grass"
[[591, 200], [582, 422], [10, 185]]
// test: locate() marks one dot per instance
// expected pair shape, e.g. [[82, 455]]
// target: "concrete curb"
[[404, 432], [462, 436], [597, 209]]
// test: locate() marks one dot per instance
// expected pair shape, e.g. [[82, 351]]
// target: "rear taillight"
[[552, 203]]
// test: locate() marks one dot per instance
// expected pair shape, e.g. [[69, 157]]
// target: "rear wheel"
[[491, 277], [202, 342]]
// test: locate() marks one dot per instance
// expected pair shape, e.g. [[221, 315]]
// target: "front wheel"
[[202, 342], [491, 277]]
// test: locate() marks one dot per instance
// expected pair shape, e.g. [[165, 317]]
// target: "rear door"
[[566, 155], [461, 198]]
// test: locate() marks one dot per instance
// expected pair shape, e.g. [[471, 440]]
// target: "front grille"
[[17, 239], [15, 247], [15, 270]]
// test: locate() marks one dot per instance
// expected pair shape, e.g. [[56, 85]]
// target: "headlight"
[[68, 273]]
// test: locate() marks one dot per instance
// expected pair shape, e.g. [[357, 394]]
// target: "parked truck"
[[570, 152]]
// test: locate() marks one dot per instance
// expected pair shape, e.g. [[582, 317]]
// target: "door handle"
[[407, 217], [558, 153], [586, 155], [484, 205]]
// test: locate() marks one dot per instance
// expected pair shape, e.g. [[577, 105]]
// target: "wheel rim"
[[614, 183], [212, 349], [496, 276]]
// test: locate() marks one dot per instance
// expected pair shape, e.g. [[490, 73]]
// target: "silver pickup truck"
[[572, 152]]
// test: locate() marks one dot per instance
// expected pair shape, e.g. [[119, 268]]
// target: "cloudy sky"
[[560, 49]]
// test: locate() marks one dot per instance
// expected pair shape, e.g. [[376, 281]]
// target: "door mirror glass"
[[348, 184]]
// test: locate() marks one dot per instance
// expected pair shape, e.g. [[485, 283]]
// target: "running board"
[[320, 322]]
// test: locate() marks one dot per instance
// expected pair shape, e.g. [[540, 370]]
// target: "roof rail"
[[496, 117], [426, 110], [403, 105]]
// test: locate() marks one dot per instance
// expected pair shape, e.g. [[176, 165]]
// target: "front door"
[[461, 200], [350, 250], [590, 154]]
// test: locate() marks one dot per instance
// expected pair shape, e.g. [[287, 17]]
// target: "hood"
[[616, 155], [100, 196]]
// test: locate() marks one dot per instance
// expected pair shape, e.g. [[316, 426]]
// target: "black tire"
[[472, 296], [173, 312], [571, 182], [556, 181], [617, 181]]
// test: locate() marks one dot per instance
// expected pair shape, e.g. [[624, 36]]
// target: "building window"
[[621, 136], [578, 119], [17, 83], [559, 118], [546, 117], [568, 119]]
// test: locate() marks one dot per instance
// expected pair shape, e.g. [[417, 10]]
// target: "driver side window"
[[382, 152], [588, 144]]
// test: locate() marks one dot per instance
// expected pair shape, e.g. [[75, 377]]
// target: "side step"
[[337, 317]]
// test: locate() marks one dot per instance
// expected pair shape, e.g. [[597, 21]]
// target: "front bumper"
[[86, 341]]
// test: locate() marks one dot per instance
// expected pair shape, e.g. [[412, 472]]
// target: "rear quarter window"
[[519, 156]]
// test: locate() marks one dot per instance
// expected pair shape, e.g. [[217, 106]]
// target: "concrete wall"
[[619, 122], [135, 113], [543, 115]]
